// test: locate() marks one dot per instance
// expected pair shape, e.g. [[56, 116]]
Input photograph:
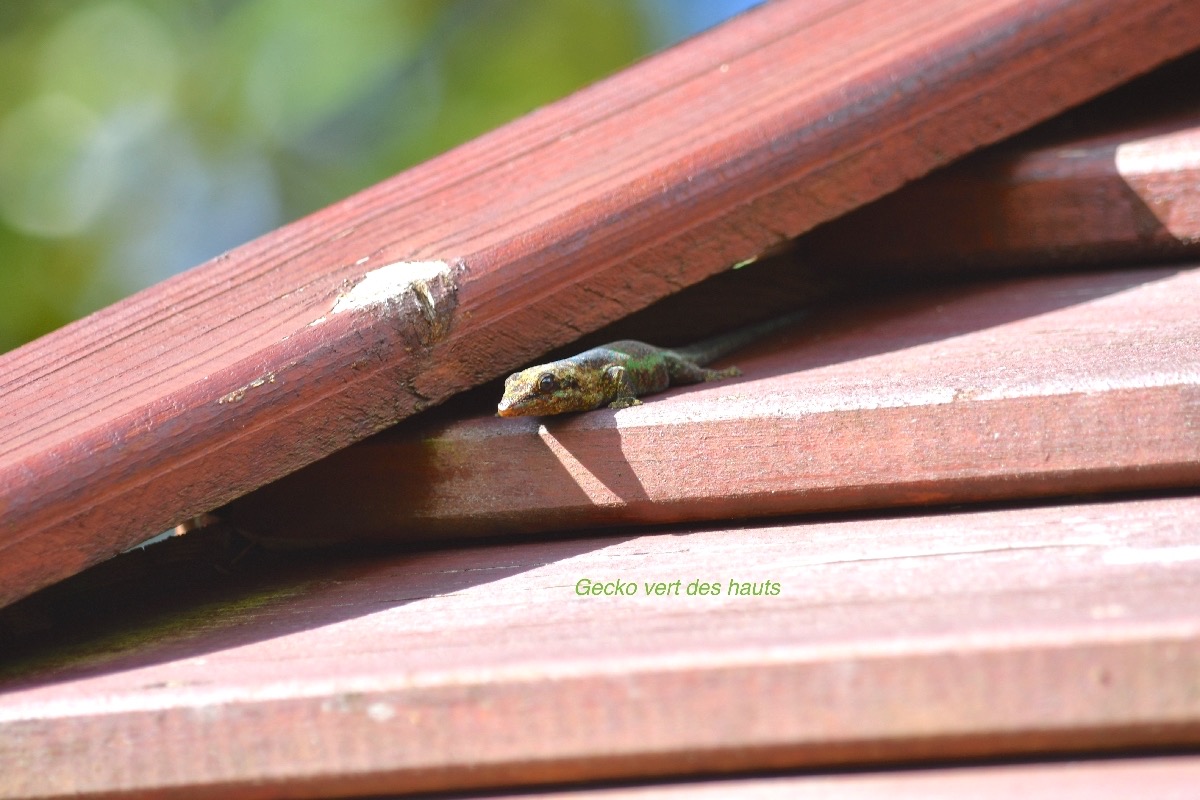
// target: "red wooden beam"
[[1036, 387], [988, 634], [1113, 182], [219, 380]]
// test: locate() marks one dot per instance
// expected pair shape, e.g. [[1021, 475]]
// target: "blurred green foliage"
[[141, 137]]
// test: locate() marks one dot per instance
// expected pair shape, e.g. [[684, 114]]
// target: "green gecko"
[[616, 374]]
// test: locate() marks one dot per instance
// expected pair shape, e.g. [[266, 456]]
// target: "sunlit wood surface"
[[1111, 182], [1010, 390], [1017, 632], [217, 381]]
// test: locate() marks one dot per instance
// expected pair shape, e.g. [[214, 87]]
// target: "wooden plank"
[[1164, 777], [210, 384], [1000, 633], [1038, 387], [1113, 182]]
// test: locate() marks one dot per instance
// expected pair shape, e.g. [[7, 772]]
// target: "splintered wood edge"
[[1031, 388], [219, 380], [370, 695]]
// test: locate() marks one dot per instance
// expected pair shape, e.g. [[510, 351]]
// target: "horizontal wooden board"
[[1112, 182], [1171, 777], [1047, 386], [219, 380], [998, 633]]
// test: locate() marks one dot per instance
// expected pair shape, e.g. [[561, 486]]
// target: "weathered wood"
[[210, 384], [1118, 779], [1113, 182], [1048, 386], [998, 633]]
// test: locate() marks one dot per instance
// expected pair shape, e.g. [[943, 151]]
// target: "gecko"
[[617, 374]]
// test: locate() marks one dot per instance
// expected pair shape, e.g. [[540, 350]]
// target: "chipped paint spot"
[[239, 393], [380, 711], [389, 284], [431, 285]]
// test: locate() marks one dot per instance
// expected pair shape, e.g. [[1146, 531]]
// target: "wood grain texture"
[[1036, 387], [1112, 182], [219, 380], [1167, 778], [999, 633]]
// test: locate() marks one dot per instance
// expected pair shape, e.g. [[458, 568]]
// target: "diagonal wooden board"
[[994, 633], [1028, 388], [219, 380], [1111, 182]]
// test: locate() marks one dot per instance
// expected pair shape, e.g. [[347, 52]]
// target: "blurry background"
[[141, 137]]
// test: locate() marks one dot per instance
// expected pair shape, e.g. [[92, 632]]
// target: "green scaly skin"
[[617, 374]]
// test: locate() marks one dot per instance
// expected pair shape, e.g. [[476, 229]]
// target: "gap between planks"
[[1030, 388]]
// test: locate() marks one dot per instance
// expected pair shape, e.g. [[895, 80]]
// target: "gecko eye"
[[547, 382]]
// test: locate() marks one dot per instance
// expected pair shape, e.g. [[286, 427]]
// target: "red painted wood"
[[996, 633], [1164, 777], [1037, 387], [210, 384], [1111, 182]]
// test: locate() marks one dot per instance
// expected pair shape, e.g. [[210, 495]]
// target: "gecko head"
[[538, 391]]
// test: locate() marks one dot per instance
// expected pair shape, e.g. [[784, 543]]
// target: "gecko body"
[[617, 374]]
